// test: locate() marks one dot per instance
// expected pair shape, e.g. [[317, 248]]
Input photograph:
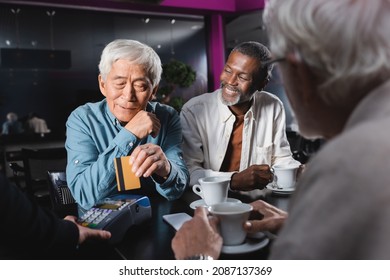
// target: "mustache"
[[225, 85]]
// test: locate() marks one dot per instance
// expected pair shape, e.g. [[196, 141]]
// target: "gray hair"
[[136, 53], [345, 43], [259, 52], [12, 117]]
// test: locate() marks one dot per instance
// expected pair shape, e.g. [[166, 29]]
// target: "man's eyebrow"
[[142, 79], [232, 68], [118, 77]]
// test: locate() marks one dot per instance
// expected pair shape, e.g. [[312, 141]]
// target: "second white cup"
[[212, 189]]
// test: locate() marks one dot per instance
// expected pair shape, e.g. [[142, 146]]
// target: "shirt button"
[[76, 161], [131, 144]]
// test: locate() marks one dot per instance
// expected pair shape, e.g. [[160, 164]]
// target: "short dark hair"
[[258, 51]]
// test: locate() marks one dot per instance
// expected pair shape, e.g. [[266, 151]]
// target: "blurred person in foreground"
[[31, 232], [339, 87], [238, 130], [126, 122]]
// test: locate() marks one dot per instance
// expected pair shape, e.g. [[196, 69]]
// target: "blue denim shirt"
[[95, 137]]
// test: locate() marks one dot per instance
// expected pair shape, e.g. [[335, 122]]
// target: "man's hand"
[[149, 159], [254, 177], [143, 124], [265, 217], [88, 233], [198, 236]]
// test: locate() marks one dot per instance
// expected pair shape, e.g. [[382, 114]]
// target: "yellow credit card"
[[125, 178]]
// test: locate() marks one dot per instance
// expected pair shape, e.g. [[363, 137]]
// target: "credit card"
[[125, 178]]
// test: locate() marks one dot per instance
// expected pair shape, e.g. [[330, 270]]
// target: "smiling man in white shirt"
[[239, 129]]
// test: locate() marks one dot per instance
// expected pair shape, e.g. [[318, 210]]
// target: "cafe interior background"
[[50, 51]]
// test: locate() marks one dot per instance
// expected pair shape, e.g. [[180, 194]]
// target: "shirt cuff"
[[231, 175]]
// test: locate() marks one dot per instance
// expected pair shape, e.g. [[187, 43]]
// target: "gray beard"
[[234, 102], [228, 103]]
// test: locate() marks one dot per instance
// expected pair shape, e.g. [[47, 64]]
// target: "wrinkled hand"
[[149, 159], [88, 233], [254, 177], [198, 236], [143, 124], [265, 217]]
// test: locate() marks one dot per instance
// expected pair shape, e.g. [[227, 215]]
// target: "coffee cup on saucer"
[[212, 189], [285, 176]]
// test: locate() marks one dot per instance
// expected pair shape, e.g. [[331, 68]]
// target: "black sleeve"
[[28, 231]]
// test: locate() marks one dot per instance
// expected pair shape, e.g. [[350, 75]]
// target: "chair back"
[[61, 198], [36, 163]]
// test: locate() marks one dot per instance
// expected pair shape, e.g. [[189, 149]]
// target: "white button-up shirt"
[[208, 124]]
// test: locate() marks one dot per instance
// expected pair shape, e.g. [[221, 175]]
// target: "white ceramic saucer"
[[277, 190], [201, 202], [250, 245]]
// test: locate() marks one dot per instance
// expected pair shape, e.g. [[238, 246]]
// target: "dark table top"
[[152, 240]]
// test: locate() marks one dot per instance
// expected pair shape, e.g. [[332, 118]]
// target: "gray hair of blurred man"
[[259, 52], [136, 53], [345, 43], [12, 117]]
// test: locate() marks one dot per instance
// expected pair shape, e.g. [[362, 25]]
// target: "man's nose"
[[232, 79], [128, 92]]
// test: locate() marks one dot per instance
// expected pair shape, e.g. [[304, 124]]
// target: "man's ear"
[[154, 93], [102, 85]]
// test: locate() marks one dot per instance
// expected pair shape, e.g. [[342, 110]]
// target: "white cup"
[[212, 189], [285, 176], [232, 217]]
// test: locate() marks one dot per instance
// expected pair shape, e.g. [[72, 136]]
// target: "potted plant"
[[175, 74]]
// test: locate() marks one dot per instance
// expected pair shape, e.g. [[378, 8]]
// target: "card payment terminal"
[[117, 215]]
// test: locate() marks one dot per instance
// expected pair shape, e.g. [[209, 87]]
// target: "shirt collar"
[[110, 115], [252, 109]]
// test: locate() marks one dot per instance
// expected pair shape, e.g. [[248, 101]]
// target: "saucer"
[[257, 235], [277, 190], [201, 202], [250, 245]]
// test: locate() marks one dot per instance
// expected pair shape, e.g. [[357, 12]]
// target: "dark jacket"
[[28, 231]]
